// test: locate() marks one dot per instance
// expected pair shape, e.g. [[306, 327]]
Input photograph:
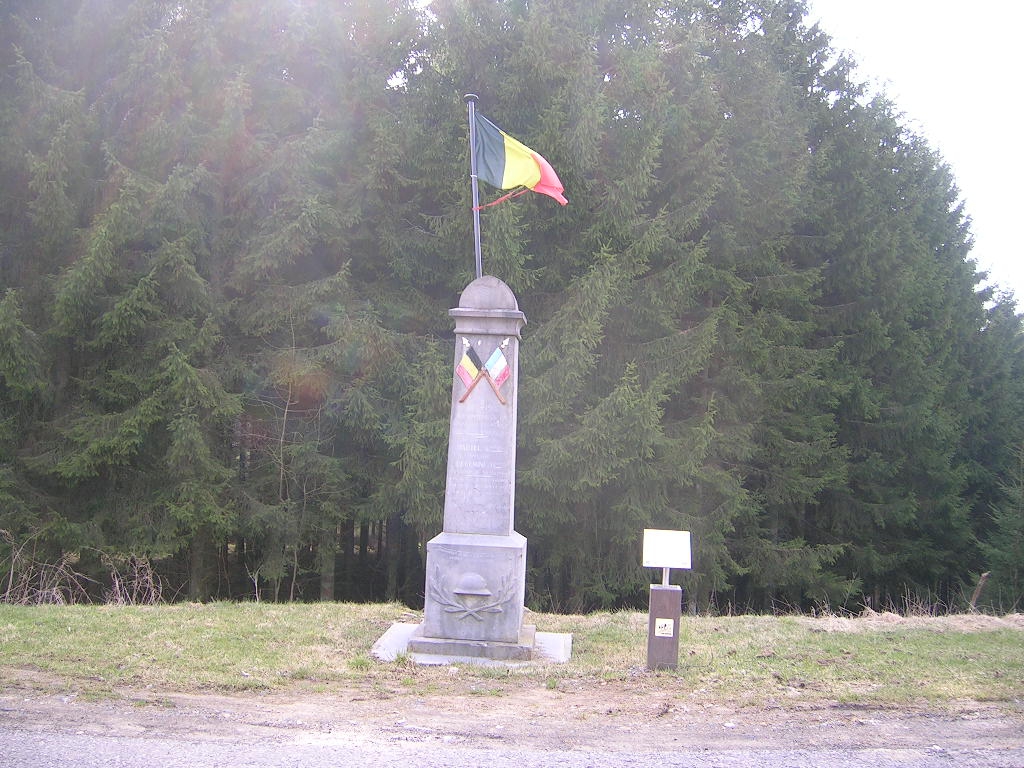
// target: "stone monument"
[[476, 567]]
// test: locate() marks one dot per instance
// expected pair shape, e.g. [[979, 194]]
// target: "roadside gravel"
[[593, 728]]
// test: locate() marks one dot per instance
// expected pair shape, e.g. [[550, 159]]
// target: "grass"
[[757, 660]]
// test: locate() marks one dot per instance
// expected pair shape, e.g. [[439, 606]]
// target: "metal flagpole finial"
[[470, 97]]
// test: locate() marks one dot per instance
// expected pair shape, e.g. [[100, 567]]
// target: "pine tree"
[[640, 402], [1004, 544], [233, 236], [899, 298]]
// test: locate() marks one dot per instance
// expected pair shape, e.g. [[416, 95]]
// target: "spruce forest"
[[230, 234]]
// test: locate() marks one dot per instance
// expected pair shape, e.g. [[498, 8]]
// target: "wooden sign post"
[[665, 550]]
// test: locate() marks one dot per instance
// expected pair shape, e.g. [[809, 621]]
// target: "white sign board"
[[666, 549]]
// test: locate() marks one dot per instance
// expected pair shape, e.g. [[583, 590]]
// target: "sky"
[[953, 69]]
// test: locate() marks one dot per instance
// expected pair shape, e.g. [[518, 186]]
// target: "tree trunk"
[[394, 556], [201, 566], [415, 569], [364, 544], [326, 551], [348, 559]]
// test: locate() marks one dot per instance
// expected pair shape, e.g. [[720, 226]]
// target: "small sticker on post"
[[664, 628]]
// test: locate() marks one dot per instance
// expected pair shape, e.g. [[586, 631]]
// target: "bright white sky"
[[954, 68]]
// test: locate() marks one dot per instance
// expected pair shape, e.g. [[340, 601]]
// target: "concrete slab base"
[[485, 649], [548, 648]]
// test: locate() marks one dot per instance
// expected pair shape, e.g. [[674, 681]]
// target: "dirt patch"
[[612, 715], [616, 715]]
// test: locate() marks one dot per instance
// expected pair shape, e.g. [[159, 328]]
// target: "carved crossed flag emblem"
[[471, 370]]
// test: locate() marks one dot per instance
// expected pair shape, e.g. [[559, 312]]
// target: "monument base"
[[476, 585], [480, 649], [548, 648]]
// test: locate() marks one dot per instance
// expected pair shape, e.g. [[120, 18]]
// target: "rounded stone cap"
[[488, 292]]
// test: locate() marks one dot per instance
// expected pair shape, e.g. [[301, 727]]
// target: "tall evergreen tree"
[[899, 297], [233, 233]]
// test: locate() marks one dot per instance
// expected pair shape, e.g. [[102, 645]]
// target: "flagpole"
[[470, 99]]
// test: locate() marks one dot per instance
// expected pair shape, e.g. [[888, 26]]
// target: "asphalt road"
[[19, 749]]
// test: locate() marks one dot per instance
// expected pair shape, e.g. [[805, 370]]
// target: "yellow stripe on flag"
[[520, 167]]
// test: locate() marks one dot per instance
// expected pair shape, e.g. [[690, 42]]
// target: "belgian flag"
[[469, 366], [505, 163]]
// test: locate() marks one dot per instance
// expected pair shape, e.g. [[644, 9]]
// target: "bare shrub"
[[918, 603], [132, 581], [31, 581]]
